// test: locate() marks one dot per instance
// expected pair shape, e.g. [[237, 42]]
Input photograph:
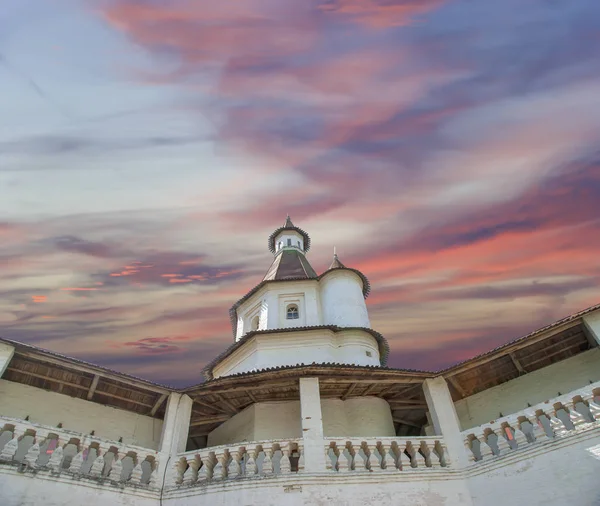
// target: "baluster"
[[116, 469], [10, 449], [441, 450], [220, 467], [594, 409], [136, 474], [97, 466], [420, 459], [575, 416], [527, 429], [76, 463], [32, 455], [56, 458], [267, 465], [190, 476], [424, 455], [301, 459], [389, 459], [581, 407], [374, 458], [235, 469], [285, 465], [491, 440], [331, 459], [344, 459], [558, 427], [153, 483], [250, 462]]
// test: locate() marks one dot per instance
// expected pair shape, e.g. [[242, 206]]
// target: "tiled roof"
[[322, 365], [290, 264], [384, 348]]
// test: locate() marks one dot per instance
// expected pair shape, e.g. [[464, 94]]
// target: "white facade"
[[262, 351], [367, 416], [50, 408], [342, 300]]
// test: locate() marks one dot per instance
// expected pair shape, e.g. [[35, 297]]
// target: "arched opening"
[[254, 323], [292, 312]]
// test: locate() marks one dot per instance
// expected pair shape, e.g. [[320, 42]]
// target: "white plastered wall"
[[360, 416], [50, 408], [532, 388], [342, 300], [302, 347], [270, 302]]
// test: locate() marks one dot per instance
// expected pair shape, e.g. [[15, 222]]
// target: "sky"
[[447, 149]]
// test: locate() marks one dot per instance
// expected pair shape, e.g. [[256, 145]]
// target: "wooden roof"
[[76, 378], [290, 264], [218, 400], [547, 346]]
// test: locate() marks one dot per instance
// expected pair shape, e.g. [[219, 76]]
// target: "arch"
[[291, 312]]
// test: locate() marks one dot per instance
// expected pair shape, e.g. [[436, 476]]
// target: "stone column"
[[6, 353], [592, 325], [176, 424], [312, 425], [444, 419]]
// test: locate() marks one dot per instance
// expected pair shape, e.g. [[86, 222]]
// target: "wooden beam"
[[115, 396], [211, 419], [211, 406], [349, 391], [520, 344], [406, 422], [454, 382], [158, 404], [404, 402], [93, 387], [88, 369], [517, 364], [251, 395], [230, 406], [48, 378], [403, 392], [407, 408], [293, 383], [369, 389]]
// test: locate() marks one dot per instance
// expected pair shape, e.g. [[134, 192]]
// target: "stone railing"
[[236, 461], [55, 450], [560, 417], [385, 454]]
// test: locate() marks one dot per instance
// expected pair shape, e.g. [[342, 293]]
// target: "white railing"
[[235, 461], [563, 416], [40, 447], [385, 454]]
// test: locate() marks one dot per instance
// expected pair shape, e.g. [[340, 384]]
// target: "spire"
[[336, 264], [289, 235]]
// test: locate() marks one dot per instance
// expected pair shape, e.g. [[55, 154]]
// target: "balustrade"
[[243, 460], [563, 416], [385, 454], [40, 447]]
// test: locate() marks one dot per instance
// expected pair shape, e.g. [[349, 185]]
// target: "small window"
[[279, 245], [299, 247], [289, 242], [292, 312], [254, 323], [368, 353]]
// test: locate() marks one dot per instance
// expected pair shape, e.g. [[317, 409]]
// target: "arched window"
[[292, 312], [254, 323]]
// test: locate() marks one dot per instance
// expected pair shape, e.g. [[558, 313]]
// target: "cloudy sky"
[[448, 149]]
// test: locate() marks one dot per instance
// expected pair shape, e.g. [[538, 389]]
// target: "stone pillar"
[[312, 425], [6, 353], [592, 324], [176, 424], [444, 419]]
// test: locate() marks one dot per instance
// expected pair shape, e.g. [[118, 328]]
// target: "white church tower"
[[295, 316]]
